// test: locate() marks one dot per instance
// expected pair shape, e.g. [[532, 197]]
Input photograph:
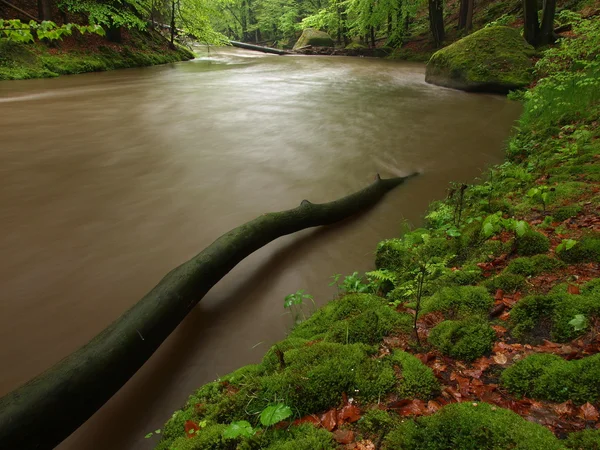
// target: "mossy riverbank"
[[86, 53], [480, 330]]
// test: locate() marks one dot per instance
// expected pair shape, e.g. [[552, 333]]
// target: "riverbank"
[[487, 318], [86, 53]]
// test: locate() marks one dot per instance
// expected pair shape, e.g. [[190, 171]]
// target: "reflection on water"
[[109, 180]]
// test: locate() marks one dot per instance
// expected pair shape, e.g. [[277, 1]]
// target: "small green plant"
[[579, 322], [295, 303], [355, 284], [152, 433], [273, 414], [540, 194], [241, 428], [566, 244]]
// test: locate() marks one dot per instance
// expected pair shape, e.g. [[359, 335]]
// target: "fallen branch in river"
[[258, 48], [47, 409]]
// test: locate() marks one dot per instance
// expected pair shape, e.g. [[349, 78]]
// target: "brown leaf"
[[415, 407], [573, 289], [433, 406], [564, 409], [343, 436], [191, 428], [329, 419], [364, 445], [349, 413], [308, 419], [499, 330], [588, 412], [500, 358]]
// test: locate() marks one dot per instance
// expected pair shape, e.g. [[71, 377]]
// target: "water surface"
[[109, 180]]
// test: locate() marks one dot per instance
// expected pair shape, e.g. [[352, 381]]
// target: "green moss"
[[566, 212], [23, 61], [532, 243], [353, 318], [355, 46], [592, 287], [469, 274], [584, 440], [376, 421], [392, 254], [493, 59], [315, 376], [534, 265], [415, 378], [466, 339], [313, 37], [466, 426], [459, 301], [304, 437], [208, 438], [544, 316], [586, 250], [508, 282], [549, 377]]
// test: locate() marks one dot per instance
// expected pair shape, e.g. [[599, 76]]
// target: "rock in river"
[[494, 59], [313, 37]]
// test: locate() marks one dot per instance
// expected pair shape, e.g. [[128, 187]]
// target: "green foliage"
[[295, 303], [304, 437], [551, 316], [586, 250], [549, 377], [208, 438], [416, 379], [112, 13], [469, 426], [273, 414], [466, 339], [241, 428], [16, 31]]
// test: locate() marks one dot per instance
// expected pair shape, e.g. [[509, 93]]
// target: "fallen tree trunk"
[[258, 48], [47, 409]]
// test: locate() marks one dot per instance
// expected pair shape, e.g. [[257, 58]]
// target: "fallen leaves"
[[588, 412]]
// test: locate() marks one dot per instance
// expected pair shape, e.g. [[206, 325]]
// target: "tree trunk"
[[258, 48], [462, 15], [172, 43], [547, 30], [47, 409], [372, 37], [532, 25], [44, 10], [436, 21], [470, 8]]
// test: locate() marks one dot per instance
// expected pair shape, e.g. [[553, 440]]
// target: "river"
[[109, 180]]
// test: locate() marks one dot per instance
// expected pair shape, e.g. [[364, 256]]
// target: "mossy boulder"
[[494, 59], [471, 426], [313, 37], [459, 301]]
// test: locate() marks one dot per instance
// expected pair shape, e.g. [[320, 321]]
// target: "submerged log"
[[258, 48], [47, 409]]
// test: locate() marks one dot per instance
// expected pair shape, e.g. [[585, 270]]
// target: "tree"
[[534, 34], [44, 10], [436, 21], [465, 16]]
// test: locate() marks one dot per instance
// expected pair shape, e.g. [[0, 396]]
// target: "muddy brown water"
[[109, 180]]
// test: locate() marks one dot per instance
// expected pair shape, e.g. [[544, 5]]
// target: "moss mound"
[[532, 243], [586, 250], [468, 426], [494, 59], [459, 301], [463, 339], [534, 266], [416, 379], [547, 316], [313, 37], [549, 377], [351, 319], [584, 440]]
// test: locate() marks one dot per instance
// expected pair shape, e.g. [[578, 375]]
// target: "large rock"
[[313, 37], [494, 59]]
